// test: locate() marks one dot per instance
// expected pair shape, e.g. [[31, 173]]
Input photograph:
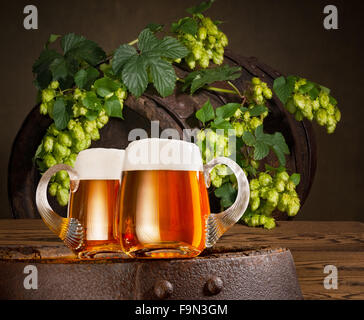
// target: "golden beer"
[[164, 208], [94, 204], [163, 213], [89, 228]]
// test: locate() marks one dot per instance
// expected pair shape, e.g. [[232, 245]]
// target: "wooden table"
[[312, 244]]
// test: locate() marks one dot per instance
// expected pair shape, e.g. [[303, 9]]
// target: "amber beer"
[[163, 213], [163, 201], [89, 228], [164, 208], [94, 204]]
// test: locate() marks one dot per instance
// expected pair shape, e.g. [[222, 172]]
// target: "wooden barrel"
[[176, 111]]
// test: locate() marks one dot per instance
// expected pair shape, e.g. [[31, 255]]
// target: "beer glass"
[[164, 207], [89, 228]]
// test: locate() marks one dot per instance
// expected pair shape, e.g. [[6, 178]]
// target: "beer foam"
[[162, 154], [100, 164]]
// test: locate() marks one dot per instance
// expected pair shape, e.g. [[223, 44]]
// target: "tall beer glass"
[[94, 187], [164, 207]]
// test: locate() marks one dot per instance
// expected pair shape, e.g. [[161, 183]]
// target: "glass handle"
[[69, 230], [219, 223]]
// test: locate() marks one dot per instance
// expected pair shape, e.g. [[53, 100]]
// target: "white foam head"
[[162, 154], [100, 164]]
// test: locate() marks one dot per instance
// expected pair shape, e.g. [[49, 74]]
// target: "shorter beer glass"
[[164, 208], [89, 228]]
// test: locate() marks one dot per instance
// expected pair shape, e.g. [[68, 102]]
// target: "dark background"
[[287, 35]]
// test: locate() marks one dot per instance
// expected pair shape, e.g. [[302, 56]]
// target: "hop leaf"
[[206, 113], [283, 87], [133, 67], [197, 79], [61, 113], [203, 6]]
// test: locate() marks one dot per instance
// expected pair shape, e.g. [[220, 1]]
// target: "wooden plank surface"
[[313, 245]]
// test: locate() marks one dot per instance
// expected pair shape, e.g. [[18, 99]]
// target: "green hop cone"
[[337, 115], [103, 119], [254, 204], [197, 52], [64, 138], [254, 220], [284, 176], [269, 223], [88, 140], [217, 58], [254, 194], [255, 123], [71, 159], [258, 90], [202, 33], [330, 109], [263, 219], [223, 39], [61, 175], [76, 111], [267, 93], [255, 81], [121, 93], [290, 186], [48, 144], [324, 99], [299, 83], [265, 179], [293, 207], [53, 187], [222, 170], [50, 106], [216, 181], [283, 202], [201, 136], [71, 124], [95, 134], [88, 126], [204, 62], [331, 121], [66, 183], [78, 94], [211, 137], [331, 129], [60, 151], [191, 62], [49, 160], [211, 40], [263, 192], [254, 184], [238, 113], [54, 85], [239, 129], [43, 109], [79, 146], [268, 209], [78, 133], [62, 196], [315, 104], [48, 95], [246, 116], [299, 100], [273, 197], [280, 185], [321, 117]]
